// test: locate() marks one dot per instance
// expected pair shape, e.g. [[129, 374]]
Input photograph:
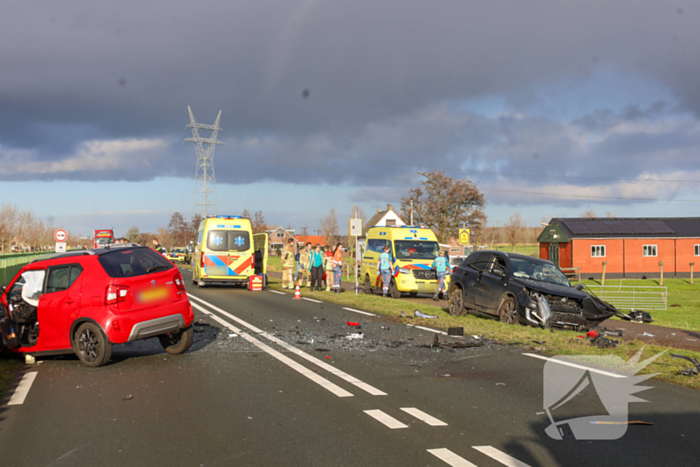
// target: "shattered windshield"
[[538, 271]]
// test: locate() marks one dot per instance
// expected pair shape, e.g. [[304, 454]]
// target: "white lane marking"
[[385, 419], [423, 417], [331, 369], [278, 292], [320, 380], [501, 457], [311, 300], [574, 365], [450, 458], [431, 330], [23, 389], [359, 311]]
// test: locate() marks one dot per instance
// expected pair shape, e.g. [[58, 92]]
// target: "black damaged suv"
[[522, 289]]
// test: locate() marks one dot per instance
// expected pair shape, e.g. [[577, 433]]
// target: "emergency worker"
[[385, 266], [337, 263], [304, 268], [158, 247], [442, 269], [288, 265], [316, 266], [328, 266]]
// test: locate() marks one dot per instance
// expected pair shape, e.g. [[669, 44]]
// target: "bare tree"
[[164, 237], [329, 226], [194, 227], [259, 224], [588, 214], [304, 230], [246, 213], [177, 228], [513, 229], [133, 234], [445, 204]]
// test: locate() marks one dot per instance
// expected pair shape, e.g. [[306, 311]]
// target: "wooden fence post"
[[661, 269], [602, 282], [691, 273]]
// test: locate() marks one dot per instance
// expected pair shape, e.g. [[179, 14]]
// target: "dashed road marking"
[[500, 456], [450, 458], [278, 292], [23, 389], [436, 331], [331, 369], [359, 311], [423, 417], [321, 381], [574, 365], [385, 419], [311, 300]]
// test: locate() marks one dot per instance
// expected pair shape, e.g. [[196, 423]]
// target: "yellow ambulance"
[[413, 249], [227, 251]]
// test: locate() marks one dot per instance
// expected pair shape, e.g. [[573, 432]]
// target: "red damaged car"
[[86, 301]]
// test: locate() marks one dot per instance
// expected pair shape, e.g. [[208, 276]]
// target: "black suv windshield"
[[416, 249], [538, 271], [133, 262]]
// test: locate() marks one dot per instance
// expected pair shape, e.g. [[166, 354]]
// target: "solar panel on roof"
[[618, 227], [659, 227], [577, 227], [598, 228], [639, 227]]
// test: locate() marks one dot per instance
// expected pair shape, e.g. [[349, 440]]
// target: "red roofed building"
[[314, 239]]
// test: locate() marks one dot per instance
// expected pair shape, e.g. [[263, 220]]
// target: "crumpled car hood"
[[551, 289]]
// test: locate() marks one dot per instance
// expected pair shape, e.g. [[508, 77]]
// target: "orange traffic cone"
[[297, 293]]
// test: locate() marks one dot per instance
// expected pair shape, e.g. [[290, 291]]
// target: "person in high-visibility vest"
[[288, 264], [337, 263], [385, 266], [304, 268], [442, 269], [328, 266]]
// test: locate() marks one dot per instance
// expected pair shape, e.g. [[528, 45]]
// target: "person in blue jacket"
[[442, 268], [385, 266]]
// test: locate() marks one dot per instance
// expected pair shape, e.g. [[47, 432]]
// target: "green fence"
[[10, 264]]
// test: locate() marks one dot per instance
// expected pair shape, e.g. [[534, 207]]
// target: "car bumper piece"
[[155, 327]]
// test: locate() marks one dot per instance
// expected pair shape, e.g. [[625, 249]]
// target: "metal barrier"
[[11, 264], [632, 297]]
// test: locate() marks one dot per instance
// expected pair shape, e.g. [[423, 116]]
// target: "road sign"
[[355, 227], [60, 247], [464, 236], [60, 235]]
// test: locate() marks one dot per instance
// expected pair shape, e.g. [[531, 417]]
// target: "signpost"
[[356, 231], [60, 236], [464, 236]]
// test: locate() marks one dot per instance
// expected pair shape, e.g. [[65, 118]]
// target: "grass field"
[[530, 249], [558, 342], [683, 310]]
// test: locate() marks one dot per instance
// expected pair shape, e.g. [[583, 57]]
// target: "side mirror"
[[499, 271], [578, 287]]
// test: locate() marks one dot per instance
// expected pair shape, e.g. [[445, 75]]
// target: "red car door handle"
[[69, 301]]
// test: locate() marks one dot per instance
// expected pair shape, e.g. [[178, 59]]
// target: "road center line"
[[359, 311], [450, 458], [501, 457], [331, 369], [423, 417], [23, 389], [311, 300], [278, 292], [320, 380], [385, 419], [574, 365]]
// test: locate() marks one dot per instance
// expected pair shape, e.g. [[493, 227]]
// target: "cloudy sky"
[[550, 107]]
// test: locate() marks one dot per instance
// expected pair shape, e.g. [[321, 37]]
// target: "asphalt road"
[[274, 381]]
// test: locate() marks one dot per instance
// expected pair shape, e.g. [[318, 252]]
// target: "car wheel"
[[508, 313], [179, 342], [91, 345], [393, 290], [456, 303], [368, 285]]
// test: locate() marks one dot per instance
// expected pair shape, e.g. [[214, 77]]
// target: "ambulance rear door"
[[260, 245]]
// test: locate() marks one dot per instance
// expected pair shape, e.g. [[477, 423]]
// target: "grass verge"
[[553, 342]]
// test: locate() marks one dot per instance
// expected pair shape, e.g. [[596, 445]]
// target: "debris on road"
[[646, 334], [128, 398], [689, 370], [419, 314], [355, 335], [456, 331], [328, 357], [353, 324], [404, 315], [322, 350], [461, 344], [233, 334], [604, 343], [29, 360]]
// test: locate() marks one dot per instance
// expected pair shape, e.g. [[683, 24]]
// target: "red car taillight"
[[179, 283], [116, 294], [201, 260]]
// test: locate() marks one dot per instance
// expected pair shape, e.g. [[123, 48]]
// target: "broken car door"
[[59, 305], [491, 285], [475, 268]]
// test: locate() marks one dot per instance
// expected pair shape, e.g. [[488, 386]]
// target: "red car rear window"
[[133, 262]]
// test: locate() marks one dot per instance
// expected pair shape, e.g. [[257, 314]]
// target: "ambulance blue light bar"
[[225, 217]]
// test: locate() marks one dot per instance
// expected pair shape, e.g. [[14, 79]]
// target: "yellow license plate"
[[151, 295]]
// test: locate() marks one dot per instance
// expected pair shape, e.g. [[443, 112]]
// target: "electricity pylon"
[[204, 179]]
